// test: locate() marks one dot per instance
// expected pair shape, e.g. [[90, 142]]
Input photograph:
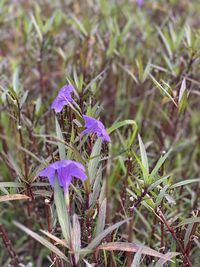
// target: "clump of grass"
[[134, 66]]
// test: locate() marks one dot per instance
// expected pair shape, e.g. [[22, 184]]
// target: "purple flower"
[[140, 2], [63, 98], [95, 126], [65, 170]]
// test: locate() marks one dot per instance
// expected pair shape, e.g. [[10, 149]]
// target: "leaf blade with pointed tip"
[[63, 216], [101, 218], [137, 257], [143, 154], [132, 247], [120, 124], [41, 240], [95, 158], [95, 242]]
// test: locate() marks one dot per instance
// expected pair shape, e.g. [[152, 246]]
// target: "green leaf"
[[61, 145], [120, 124], [147, 178], [76, 237], [37, 28], [42, 240], [101, 218], [189, 221], [55, 238], [79, 25], [140, 67], [159, 164], [111, 45], [62, 212], [87, 263], [143, 155], [161, 195], [95, 242], [188, 34], [182, 100], [11, 184], [14, 165], [162, 89], [169, 255], [156, 183], [16, 80], [23, 99], [96, 187], [146, 71], [128, 72], [189, 181], [70, 150], [187, 234], [166, 42], [137, 257], [94, 159]]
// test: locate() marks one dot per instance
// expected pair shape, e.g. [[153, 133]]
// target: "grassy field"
[[133, 67]]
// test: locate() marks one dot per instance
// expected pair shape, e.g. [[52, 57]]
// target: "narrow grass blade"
[[132, 247], [94, 161], [186, 182], [169, 256], [13, 197], [162, 89], [37, 28], [137, 257], [189, 221], [143, 154], [159, 164], [61, 145], [95, 242], [101, 218], [16, 80], [42, 240], [63, 216], [11, 184], [120, 124], [76, 237]]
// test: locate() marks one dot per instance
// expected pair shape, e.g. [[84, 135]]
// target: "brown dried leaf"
[[131, 247], [13, 197]]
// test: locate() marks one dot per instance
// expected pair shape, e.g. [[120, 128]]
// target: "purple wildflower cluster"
[[67, 169]]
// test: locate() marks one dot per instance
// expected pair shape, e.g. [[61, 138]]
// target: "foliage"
[[136, 67]]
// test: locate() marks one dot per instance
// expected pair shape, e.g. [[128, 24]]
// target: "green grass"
[[135, 68]]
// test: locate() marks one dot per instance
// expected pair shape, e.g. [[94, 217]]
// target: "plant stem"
[[8, 245], [171, 230], [189, 244]]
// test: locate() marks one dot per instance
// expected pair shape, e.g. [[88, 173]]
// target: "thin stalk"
[[173, 233], [8, 245], [189, 244]]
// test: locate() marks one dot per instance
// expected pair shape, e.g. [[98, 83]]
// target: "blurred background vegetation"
[[138, 62]]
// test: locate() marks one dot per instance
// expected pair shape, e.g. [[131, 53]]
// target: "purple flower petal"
[[88, 120], [95, 126], [50, 173], [106, 136], [140, 2], [79, 174], [64, 177], [58, 105], [63, 98]]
